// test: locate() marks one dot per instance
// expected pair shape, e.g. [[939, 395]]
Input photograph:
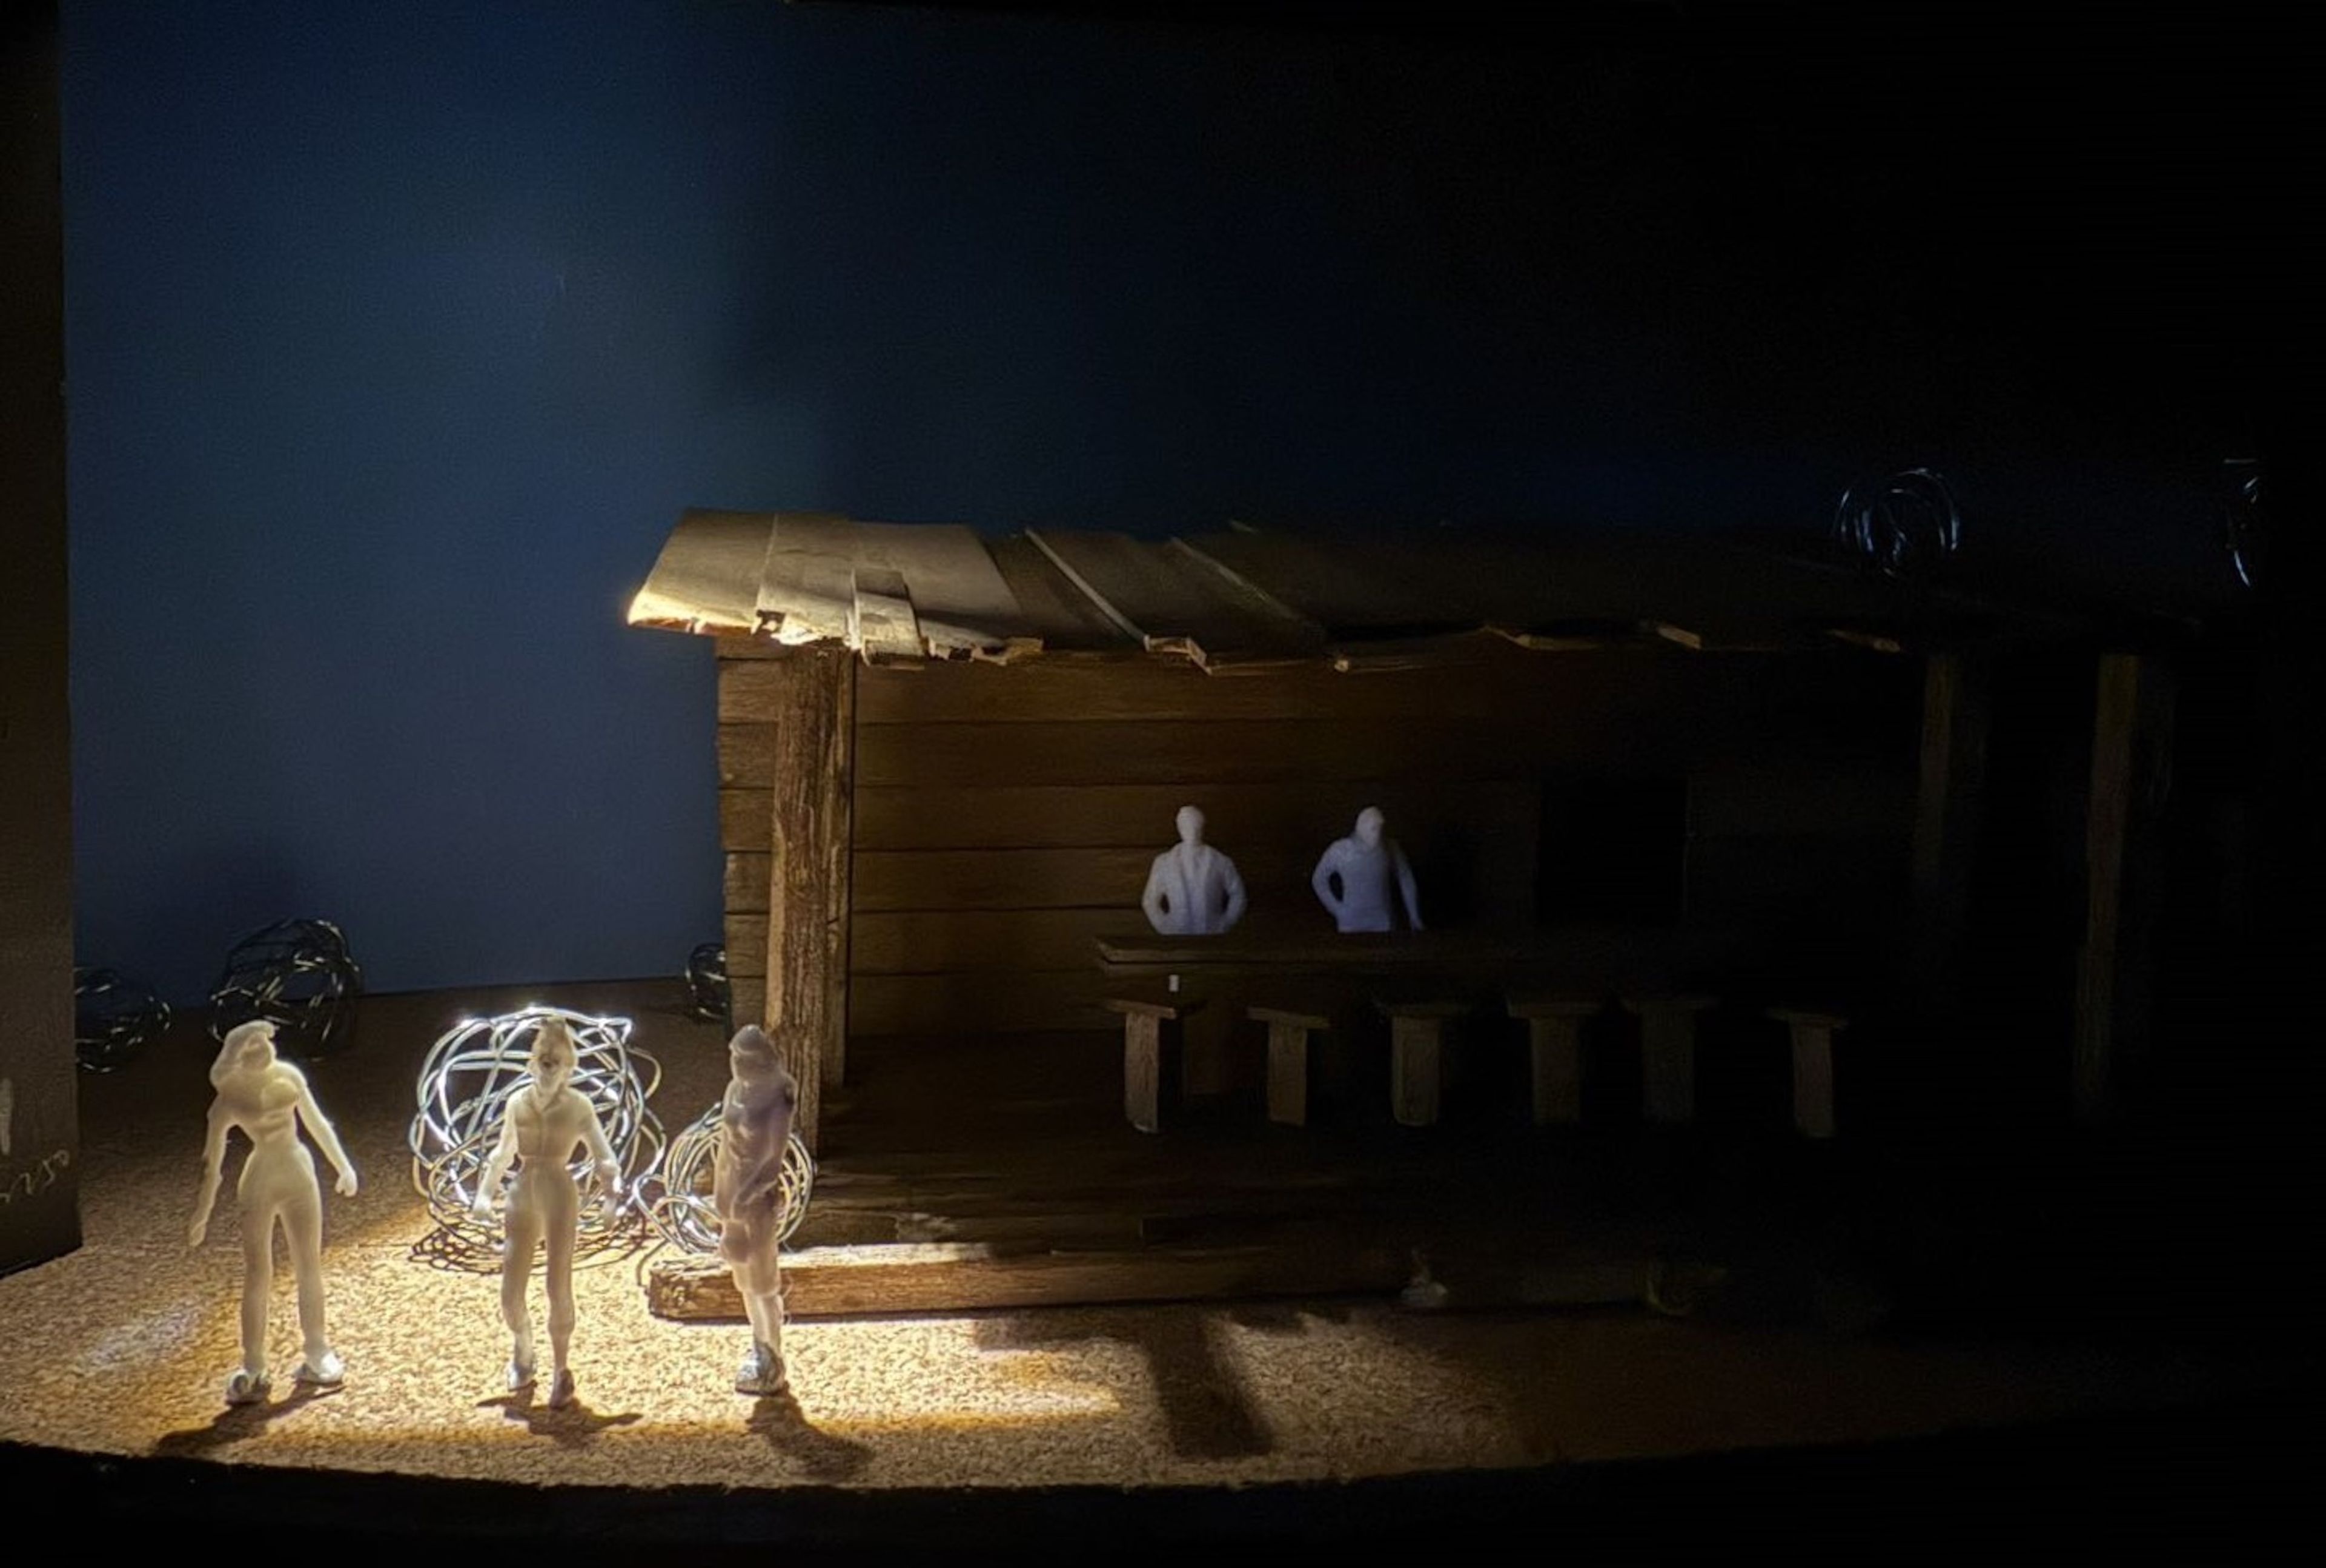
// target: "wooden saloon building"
[[1661, 774]]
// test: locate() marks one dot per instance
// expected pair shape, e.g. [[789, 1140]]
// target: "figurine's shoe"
[[520, 1374], [326, 1371], [246, 1388], [561, 1391], [762, 1374]]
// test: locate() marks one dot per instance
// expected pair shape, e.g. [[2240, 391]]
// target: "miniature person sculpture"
[[269, 1099], [541, 1126], [1193, 889], [755, 1127], [1354, 879]]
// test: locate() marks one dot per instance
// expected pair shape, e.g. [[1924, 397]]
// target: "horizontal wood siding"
[[1005, 818]]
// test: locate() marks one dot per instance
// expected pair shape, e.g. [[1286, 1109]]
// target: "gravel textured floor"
[[123, 1348]]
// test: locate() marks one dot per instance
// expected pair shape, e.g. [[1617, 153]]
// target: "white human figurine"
[[1352, 879], [755, 1127], [269, 1099], [541, 1126], [1193, 889]]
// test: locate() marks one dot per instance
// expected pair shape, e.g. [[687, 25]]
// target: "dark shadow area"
[[776, 1420], [1209, 1412], [571, 1425], [238, 1423]]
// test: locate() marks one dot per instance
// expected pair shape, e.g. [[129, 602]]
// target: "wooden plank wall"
[[1005, 817]]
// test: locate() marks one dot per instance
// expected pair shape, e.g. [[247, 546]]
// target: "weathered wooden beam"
[[1554, 1053], [1288, 1060], [807, 892], [1417, 1047], [1813, 1040], [2132, 768], [822, 1282], [1668, 1055], [1948, 804]]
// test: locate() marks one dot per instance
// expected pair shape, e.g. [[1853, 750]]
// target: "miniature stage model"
[[1193, 889], [746, 1190], [540, 1128], [268, 1100], [1352, 879]]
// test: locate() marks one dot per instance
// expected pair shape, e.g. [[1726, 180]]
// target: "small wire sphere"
[[115, 1019], [681, 1209], [1903, 526], [299, 977], [708, 997], [471, 1074]]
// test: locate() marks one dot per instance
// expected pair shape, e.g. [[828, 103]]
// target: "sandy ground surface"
[[123, 1348]]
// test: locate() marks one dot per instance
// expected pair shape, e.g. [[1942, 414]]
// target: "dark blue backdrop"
[[398, 335]]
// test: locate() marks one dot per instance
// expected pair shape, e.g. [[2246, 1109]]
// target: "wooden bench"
[[1416, 1048], [1288, 1060], [1668, 1054], [1813, 1030], [1143, 1018], [1554, 1044]]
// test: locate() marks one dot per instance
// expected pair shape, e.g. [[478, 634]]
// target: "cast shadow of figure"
[[778, 1421], [238, 1423], [571, 1425], [1206, 1408]]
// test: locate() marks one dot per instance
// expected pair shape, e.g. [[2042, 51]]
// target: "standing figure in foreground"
[[1193, 889], [755, 1127], [542, 1125], [1354, 876], [268, 1100]]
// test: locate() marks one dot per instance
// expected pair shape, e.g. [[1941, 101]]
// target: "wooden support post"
[[1287, 1061], [1948, 806], [807, 893], [1417, 1044], [1554, 1044], [1813, 1035], [1668, 1055], [2132, 767], [1142, 1054]]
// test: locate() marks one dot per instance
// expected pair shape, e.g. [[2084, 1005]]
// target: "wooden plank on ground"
[[956, 1277]]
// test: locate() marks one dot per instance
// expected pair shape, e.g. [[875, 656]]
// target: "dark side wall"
[[399, 335]]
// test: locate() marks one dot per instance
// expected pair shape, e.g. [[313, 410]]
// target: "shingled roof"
[[1244, 597]]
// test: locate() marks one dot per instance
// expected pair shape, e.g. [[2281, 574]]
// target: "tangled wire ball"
[[473, 1071]]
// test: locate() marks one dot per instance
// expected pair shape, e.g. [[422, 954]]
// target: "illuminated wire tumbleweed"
[[681, 1208], [472, 1071]]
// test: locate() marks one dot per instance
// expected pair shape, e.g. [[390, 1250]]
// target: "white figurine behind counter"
[[1193, 889], [541, 1126], [269, 1099], [1353, 876], [755, 1126]]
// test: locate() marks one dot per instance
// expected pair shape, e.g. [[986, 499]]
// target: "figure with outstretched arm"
[[269, 1101], [755, 1127], [541, 1126], [1355, 877]]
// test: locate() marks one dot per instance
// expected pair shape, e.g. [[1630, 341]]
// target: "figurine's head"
[[554, 1055], [1369, 827], [247, 1048], [751, 1052], [1191, 825]]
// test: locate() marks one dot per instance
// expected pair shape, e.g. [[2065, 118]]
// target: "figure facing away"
[[1354, 879], [269, 1101], [1193, 889], [542, 1125], [755, 1127]]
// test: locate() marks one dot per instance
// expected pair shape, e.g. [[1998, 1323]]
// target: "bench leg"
[[1558, 1055], [1668, 1063], [1813, 1079], [1142, 1070], [1415, 1045], [1288, 1074]]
